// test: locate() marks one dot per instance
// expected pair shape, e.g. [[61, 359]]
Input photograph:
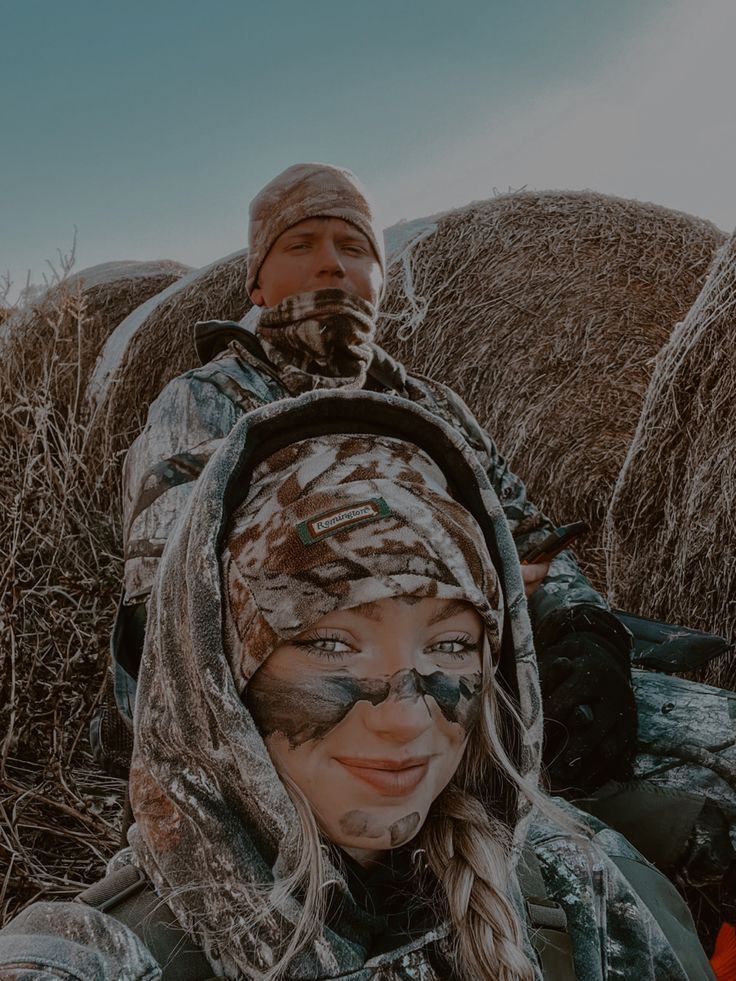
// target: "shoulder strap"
[[548, 921], [128, 896], [211, 337]]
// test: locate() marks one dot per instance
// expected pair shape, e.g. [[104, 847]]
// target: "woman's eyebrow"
[[449, 609], [369, 610]]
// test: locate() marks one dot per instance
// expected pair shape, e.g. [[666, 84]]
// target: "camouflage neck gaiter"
[[319, 340]]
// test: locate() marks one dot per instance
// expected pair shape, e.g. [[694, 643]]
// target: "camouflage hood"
[[255, 559]]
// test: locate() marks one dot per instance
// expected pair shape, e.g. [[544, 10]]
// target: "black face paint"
[[310, 709], [360, 824]]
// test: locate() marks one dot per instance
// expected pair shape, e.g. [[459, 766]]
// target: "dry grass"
[[98, 298], [672, 523], [162, 340], [545, 311], [60, 569]]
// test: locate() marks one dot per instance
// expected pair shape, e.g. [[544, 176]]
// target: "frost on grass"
[[60, 569]]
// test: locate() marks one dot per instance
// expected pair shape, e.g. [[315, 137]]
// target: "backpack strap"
[[129, 897], [549, 934]]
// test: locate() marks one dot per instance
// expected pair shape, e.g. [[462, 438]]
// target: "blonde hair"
[[467, 840]]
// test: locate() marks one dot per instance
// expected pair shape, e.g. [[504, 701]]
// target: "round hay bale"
[[159, 335], [61, 562], [545, 310], [93, 302], [672, 521]]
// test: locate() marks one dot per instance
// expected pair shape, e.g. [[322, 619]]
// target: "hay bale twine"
[[672, 521], [92, 303], [545, 310], [158, 335]]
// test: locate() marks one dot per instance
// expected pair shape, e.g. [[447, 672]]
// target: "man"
[[316, 270]]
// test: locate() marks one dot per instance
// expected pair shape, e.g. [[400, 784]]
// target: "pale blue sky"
[[149, 125]]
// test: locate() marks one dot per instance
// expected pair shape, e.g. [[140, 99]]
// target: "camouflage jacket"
[[616, 933], [195, 411], [212, 810]]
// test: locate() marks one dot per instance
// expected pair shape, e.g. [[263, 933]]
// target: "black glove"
[[589, 713]]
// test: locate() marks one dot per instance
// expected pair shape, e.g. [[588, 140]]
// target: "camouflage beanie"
[[308, 190], [337, 521]]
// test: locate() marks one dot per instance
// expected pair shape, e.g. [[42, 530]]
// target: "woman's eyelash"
[[311, 642], [466, 644]]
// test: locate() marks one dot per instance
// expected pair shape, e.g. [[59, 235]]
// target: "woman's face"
[[368, 712]]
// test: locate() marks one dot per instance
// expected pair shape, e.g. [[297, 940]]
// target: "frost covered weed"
[[60, 570]]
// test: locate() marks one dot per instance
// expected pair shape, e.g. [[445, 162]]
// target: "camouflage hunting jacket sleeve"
[[625, 920], [72, 942], [566, 599], [185, 425]]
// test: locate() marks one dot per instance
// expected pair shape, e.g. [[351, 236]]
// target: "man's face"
[[318, 254]]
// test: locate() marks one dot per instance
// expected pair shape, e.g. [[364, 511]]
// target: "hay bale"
[[159, 335], [544, 311], [93, 302], [672, 521], [61, 566]]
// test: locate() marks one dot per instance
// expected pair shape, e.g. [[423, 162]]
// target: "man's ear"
[[256, 295]]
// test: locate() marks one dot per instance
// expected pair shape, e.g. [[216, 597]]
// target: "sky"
[[148, 125]]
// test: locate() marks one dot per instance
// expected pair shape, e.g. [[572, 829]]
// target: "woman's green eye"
[[333, 646], [325, 646], [455, 648]]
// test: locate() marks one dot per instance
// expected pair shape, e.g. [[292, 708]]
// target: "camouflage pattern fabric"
[[196, 411], [212, 815], [319, 340], [217, 818]]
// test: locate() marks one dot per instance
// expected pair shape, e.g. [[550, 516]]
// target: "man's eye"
[[297, 246]]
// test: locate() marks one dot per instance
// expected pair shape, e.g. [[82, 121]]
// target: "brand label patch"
[[338, 519]]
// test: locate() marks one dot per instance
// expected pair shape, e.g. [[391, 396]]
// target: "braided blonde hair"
[[467, 839]]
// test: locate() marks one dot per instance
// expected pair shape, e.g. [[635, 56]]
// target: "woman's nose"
[[400, 717]]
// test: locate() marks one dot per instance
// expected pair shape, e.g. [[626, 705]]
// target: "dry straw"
[[545, 311], [59, 578], [159, 335], [672, 523], [99, 297]]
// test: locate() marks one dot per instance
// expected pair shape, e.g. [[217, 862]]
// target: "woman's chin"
[[378, 828]]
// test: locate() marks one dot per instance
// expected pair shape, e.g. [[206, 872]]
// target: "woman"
[[338, 736]]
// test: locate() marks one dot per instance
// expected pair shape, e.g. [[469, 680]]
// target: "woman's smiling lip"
[[391, 777]]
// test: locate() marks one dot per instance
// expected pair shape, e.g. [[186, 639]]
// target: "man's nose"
[[330, 262]]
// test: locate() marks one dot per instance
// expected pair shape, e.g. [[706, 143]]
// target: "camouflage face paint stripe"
[[361, 824], [310, 708]]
